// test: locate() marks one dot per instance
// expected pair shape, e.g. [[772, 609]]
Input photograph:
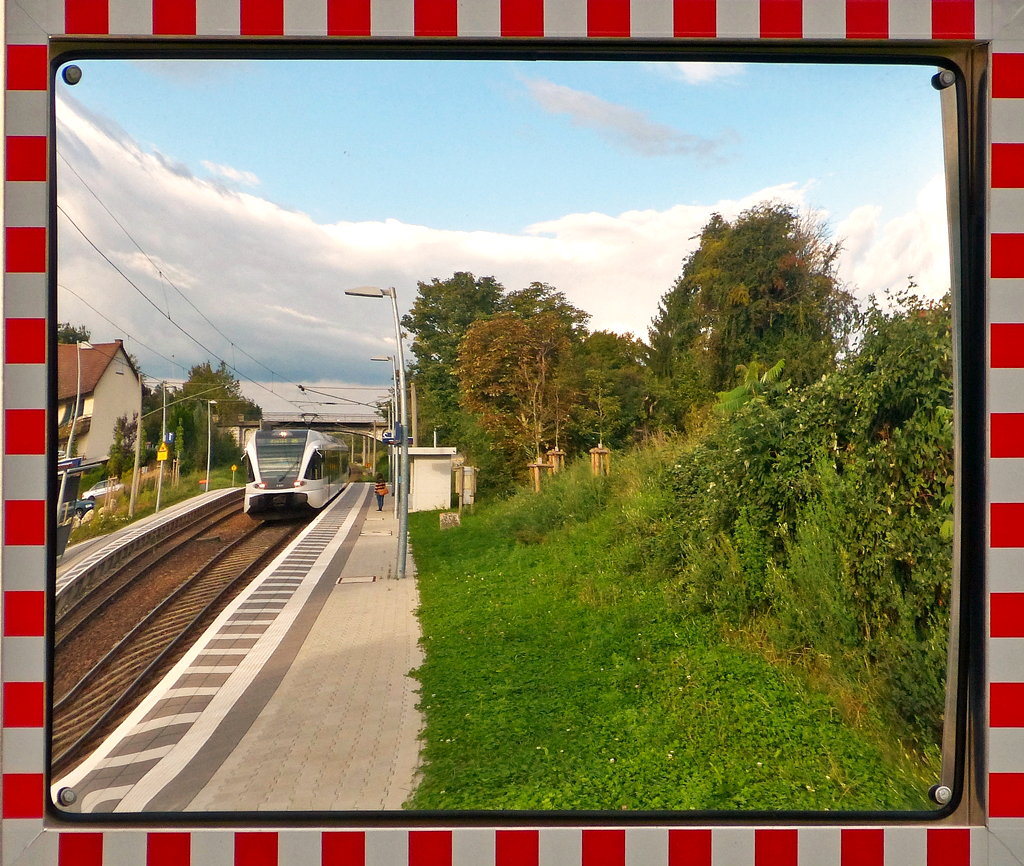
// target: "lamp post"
[[81, 344], [403, 475], [394, 415], [209, 439]]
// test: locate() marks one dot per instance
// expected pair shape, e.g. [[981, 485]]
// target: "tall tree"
[[539, 298], [507, 375], [762, 287], [207, 383], [439, 318]]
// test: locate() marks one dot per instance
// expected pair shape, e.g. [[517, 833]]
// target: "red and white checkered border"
[[30, 838]]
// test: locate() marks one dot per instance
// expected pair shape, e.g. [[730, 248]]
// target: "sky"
[[218, 209]]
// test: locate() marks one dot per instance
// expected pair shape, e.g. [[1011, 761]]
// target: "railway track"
[[98, 701], [76, 620]]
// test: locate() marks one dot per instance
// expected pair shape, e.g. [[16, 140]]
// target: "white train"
[[292, 471]]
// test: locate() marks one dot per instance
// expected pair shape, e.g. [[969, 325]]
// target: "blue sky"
[[397, 171], [378, 139]]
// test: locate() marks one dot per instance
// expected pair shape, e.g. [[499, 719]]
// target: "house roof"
[[94, 363]]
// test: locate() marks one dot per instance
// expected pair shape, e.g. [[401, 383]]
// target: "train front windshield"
[[279, 457]]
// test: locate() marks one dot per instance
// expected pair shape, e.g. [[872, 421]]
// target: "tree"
[[187, 414], [440, 316], [507, 375], [763, 286], [68, 333], [540, 298], [190, 414], [121, 456], [206, 383]]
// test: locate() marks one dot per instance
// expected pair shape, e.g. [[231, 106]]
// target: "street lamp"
[[209, 438], [394, 414], [81, 344], [403, 426]]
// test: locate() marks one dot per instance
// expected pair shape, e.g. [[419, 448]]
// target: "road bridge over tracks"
[[356, 424], [359, 430]]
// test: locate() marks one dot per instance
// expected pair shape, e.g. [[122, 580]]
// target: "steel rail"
[[95, 700], [90, 605]]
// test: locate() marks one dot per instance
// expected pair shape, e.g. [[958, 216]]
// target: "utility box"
[[430, 476], [467, 490]]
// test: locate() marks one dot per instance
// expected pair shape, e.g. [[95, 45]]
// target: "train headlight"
[[298, 483], [261, 485]]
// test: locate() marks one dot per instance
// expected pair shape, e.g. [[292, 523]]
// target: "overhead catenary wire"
[[116, 325], [305, 389], [167, 316], [184, 399], [165, 278]]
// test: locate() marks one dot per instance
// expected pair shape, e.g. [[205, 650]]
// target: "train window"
[[315, 469], [727, 293]]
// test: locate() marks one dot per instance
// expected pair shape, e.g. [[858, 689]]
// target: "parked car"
[[81, 507], [101, 489]]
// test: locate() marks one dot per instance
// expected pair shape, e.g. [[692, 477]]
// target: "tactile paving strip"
[[128, 768]]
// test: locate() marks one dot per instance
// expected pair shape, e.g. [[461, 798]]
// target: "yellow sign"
[[234, 468], [161, 452]]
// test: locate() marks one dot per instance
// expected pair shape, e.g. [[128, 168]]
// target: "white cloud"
[[701, 72], [246, 178], [272, 279], [877, 257], [621, 125]]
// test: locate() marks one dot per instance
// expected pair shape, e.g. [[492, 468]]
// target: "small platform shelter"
[[430, 473]]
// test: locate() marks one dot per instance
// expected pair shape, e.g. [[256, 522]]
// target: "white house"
[[110, 388]]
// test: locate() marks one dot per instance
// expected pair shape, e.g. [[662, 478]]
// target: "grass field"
[[563, 673], [117, 517]]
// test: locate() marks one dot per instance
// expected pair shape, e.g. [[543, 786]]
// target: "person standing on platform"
[[381, 489]]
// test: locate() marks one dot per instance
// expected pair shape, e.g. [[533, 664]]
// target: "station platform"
[[79, 558], [296, 699]]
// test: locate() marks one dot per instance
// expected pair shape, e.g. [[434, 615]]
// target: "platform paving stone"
[[341, 731], [328, 722]]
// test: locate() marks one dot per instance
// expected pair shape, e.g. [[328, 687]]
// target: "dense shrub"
[[825, 514]]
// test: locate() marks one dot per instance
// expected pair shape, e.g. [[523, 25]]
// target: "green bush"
[[828, 510]]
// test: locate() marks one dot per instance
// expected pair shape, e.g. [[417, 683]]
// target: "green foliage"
[[121, 457], [761, 286], [849, 484], [564, 670], [756, 380], [68, 333], [439, 318], [188, 416], [206, 383], [495, 421], [507, 373]]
